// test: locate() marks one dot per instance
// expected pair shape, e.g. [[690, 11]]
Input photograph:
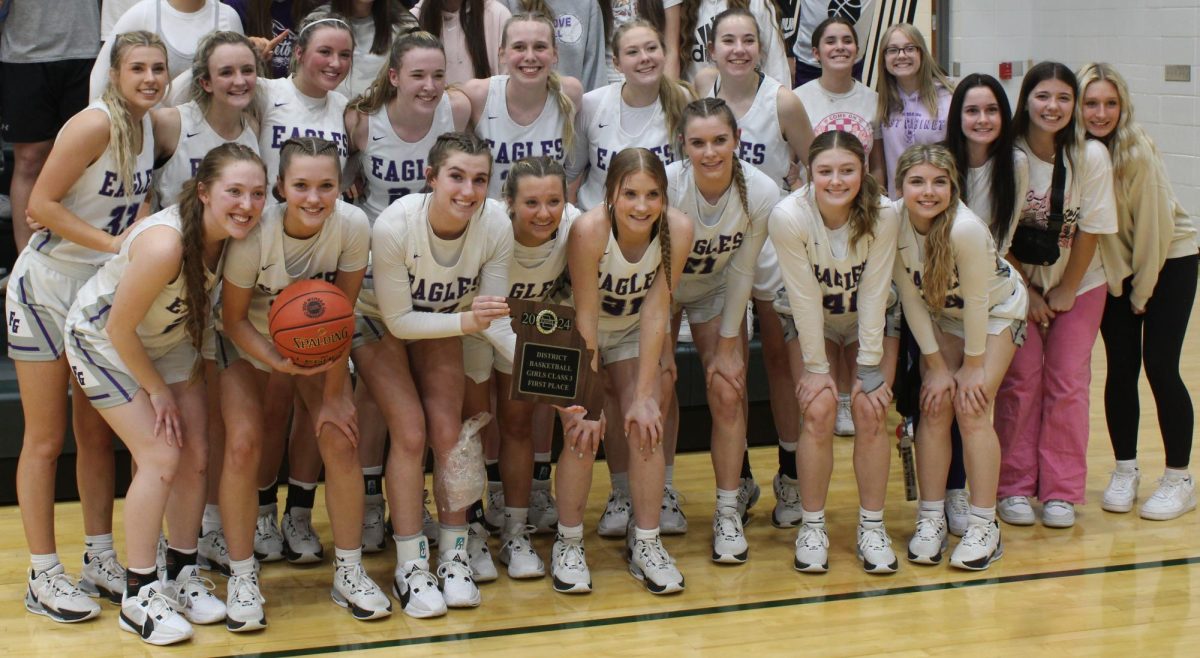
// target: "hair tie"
[[330, 19]]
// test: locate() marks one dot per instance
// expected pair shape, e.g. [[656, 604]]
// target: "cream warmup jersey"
[[287, 113], [196, 139], [163, 326], [601, 135], [831, 281], [535, 272], [983, 285], [726, 242], [420, 282], [269, 260], [99, 199], [762, 143], [393, 167], [623, 285], [774, 59], [510, 141], [854, 112]]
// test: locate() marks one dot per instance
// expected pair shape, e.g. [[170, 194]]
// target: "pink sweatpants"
[[1042, 406]]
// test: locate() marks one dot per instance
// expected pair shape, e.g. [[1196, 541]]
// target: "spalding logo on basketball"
[[311, 322]]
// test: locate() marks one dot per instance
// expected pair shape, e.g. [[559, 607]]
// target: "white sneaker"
[[615, 519], [301, 544], [788, 511], [151, 616], [1058, 514], [517, 552], [543, 511], [671, 520], [268, 540], [958, 510], [353, 589], [458, 587], [483, 569], [929, 541], [980, 546], [651, 564], [875, 550], [429, 527], [812, 549], [729, 539], [212, 553], [103, 576], [843, 425], [417, 590], [1015, 510], [748, 494], [1172, 498], [493, 514], [568, 567], [1121, 492], [52, 593], [192, 595], [374, 524], [244, 604]]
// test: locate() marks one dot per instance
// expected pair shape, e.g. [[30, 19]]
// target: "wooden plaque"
[[552, 364]]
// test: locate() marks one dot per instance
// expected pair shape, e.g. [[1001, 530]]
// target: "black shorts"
[[37, 99]]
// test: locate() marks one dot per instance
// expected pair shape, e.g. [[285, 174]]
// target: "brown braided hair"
[[623, 165], [864, 212], [703, 108]]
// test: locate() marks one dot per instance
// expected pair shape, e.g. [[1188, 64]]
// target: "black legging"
[[1157, 338]]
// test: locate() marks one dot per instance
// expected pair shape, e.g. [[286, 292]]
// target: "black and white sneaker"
[[979, 548], [103, 576], [152, 616], [568, 566], [353, 589], [244, 604], [417, 590], [729, 539], [650, 563], [53, 594]]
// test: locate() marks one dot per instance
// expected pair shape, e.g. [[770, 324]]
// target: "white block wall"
[[1138, 37]]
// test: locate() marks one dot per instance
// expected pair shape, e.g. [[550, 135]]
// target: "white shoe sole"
[[39, 609], [1117, 507], [415, 613], [979, 566], [651, 586], [563, 587], [235, 626], [160, 641], [1167, 516], [361, 614]]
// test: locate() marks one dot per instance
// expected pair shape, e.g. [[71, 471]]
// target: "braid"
[[566, 109], [739, 181], [664, 246]]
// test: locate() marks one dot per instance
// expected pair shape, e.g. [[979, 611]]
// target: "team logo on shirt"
[[850, 123], [568, 28]]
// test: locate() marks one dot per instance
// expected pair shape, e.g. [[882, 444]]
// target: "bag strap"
[[1058, 183]]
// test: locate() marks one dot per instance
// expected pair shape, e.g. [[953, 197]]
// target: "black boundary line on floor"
[[719, 609]]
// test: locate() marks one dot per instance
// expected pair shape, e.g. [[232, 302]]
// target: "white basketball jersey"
[[196, 139], [163, 326], [511, 141], [393, 167], [601, 123], [269, 260], [1005, 299], [716, 241], [100, 199], [535, 272], [762, 143], [623, 285], [288, 113]]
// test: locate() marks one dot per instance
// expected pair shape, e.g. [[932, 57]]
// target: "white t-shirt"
[[855, 111], [773, 59], [1088, 205], [979, 195], [812, 12]]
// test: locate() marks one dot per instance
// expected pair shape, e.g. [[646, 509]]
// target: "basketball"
[[311, 322]]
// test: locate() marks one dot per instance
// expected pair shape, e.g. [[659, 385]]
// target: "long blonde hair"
[[864, 211], [382, 91], [929, 75], [673, 95], [566, 107], [624, 164], [939, 267], [1128, 142], [124, 137]]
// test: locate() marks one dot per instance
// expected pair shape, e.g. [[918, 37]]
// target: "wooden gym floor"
[[1114, 584]]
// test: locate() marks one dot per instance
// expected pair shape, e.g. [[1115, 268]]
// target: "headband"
[[330, 19]]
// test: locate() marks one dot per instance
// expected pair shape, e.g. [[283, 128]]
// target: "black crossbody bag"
[[1039, 246]]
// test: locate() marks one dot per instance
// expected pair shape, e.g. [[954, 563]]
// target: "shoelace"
[[727, 525], [455, 565], [873, 539], [976, 535], [930, 529], [61, 585], [265, 527], [959, 504], [745, 493], [571, 555], [109, 567], [417, 571], [653, 553], [1166, 489], [519, 541], [618, 502], [812, 537], [373, 516], [672, 494], [540, 499], [789, 494], [302, 526], [244, 590], [159, 605], [355, 576], [1122, 482]]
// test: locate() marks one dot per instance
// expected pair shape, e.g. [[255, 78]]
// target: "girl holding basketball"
[[310, 235], [623, 270], [966, 308], [136, 330], [729, 202], [837, 242], [439, 271], [96, 178]]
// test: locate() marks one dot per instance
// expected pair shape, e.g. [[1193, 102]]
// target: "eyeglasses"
[[892, 51]]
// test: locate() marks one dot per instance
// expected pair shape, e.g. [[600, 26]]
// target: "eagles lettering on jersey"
[[752, 153], [509, 152], [403, 171], [952, 301], [619, 303], [141, 183], [532, 290], [705, 252], [437, 292], [664, 153], [280, 134]]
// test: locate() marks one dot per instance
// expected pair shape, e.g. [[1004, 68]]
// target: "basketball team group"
[[648, 163]]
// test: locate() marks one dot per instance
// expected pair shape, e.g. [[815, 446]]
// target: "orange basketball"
[[311, 322]]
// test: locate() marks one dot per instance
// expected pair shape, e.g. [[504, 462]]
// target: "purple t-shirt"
[[281, 19], [911, 125]]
